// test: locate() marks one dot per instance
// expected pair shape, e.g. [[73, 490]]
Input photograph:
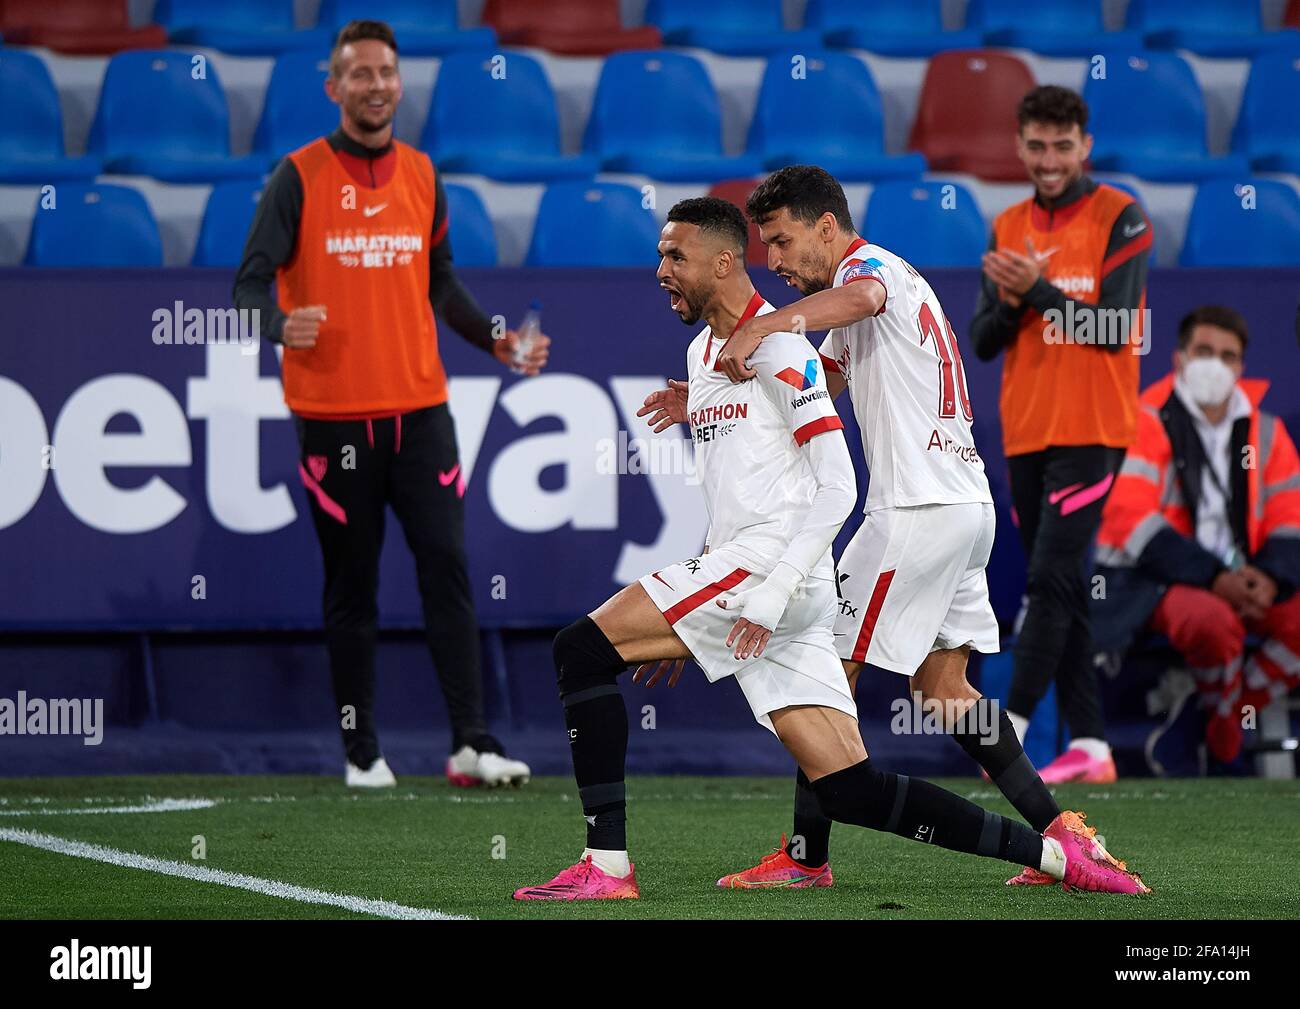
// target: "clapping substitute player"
[[1075, 252], [760, 604], [353, 230]]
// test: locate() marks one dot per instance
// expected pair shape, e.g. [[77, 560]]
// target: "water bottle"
[[528, 332]]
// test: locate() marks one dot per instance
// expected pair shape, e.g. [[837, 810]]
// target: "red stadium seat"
[[1292, 18], [737, 191], [572, 27], [966, 117], [80, 27]]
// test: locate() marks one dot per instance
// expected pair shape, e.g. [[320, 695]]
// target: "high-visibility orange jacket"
[[1147, 539]]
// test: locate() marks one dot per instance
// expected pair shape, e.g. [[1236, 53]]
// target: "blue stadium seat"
[[31, 129], [1231, 226], [656, 112], [422, 27], [226, 220], [830, 116], [1207, 27], [1268, 122], [1050, 27], [927, 223], [296, 110], [241, 27], [887, 27], [495, 115], [734, 27], [473, 239], [1148, 116], [593, 224], [94, 225], [156, 118]]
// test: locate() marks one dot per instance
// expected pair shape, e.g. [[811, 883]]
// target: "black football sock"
[[810, 840], [587, 668], [993, 744], [913, 808]]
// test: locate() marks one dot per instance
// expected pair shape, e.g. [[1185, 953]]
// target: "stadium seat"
[[296, 110], [31, 130], [1207, 27], [888, 27], [1231, 226], [927, 223], [1268, 123], [422, 27], [495, 115], [1148, 117], [734, 27], [737, 191], [1292, 17], [966, 115], [828, 116], [226, 220], [76, 27], [656, 112], [473, 239], [1050, 27], [568, 27], [239, 27], [593, 224], [94, 225], [185, 135]]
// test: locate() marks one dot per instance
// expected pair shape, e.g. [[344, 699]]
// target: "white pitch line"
[[202, 874], [157, 806]]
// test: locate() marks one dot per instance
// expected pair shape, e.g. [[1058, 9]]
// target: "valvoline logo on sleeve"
[[800, 382]]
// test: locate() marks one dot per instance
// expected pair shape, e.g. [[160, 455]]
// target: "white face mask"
[[1208, 380]]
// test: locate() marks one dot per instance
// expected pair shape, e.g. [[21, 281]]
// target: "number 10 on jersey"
[[952, 376]]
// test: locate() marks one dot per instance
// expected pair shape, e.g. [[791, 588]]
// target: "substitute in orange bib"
[[1200, 540], [1063, 294], [352, 228]]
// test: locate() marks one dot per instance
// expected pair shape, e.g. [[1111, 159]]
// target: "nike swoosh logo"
[[446, 478], [372, 211], [1134, 229], [590, 819], [1043, 257], [1056, 496], [657, 575]]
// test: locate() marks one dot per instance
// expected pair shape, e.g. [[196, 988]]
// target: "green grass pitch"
[[1212, 848]]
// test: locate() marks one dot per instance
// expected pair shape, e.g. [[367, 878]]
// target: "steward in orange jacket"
[[1200, 538]]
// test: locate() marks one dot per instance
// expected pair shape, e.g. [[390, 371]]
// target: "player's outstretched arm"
[[837, 306]]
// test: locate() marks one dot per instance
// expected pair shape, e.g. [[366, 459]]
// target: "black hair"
[[358, 31], [1212, 315], [806, 191], [716, 216], [1054, 105]]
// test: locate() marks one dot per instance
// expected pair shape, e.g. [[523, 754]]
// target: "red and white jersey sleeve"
[[908, 388], [794, 378]]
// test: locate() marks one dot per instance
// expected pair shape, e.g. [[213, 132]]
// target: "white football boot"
[[377, 775], [468, 768]]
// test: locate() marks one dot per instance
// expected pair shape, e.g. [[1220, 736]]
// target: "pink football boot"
[[583, 881], [1075, 765], [1088, 865]]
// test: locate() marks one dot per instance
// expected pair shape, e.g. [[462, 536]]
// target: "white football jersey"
[[757, 484], [908, 389]]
